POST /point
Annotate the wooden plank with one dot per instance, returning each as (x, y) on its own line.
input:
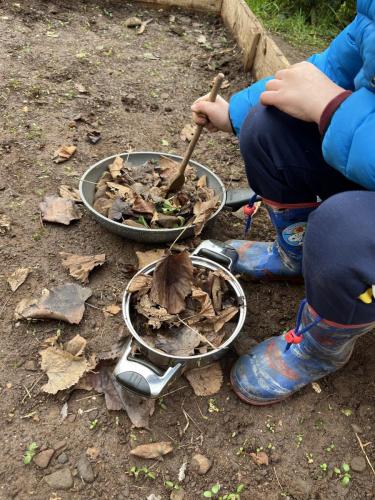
(202, 5)
(268, 58)
(244, 26)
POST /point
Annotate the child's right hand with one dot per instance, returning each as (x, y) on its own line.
(212, 115)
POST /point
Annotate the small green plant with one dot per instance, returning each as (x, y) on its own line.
(170, 485)
(271, 427)
(330, 448)
(323, 467)
(236, 495)
(319, 424)
(299, 439)
(343, 474)
(93, 424)
(141, 472)
(30, 453)
(212, 493)
(270, 446)
(347, 412)
(212, 408)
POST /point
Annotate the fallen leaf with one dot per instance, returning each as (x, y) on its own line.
(123, 191)
(259, 458)
(140, 283)
(116, 166)
(81, 88)
(155, 314)
(102, 205)
(111, 310)
(79, 266)
(187, 133)
(143, 207)
(19, 276)
(203, 211)
(70, 193)
(62, 368)
(152, 450)
(172, 282)
(133, 22)
(64, 302)
(145, 258)
(76, 345)
(138, 409)
(94, 136)
(59, 210)
(63, 153)
(178, 342)
(101, 381)
(206, 310)
(4, 224)
(202, 181)
(205, 381)
(93, 453)
(224, 316)
(152, 57)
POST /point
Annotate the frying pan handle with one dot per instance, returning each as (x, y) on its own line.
(217, 251)
(142, 377)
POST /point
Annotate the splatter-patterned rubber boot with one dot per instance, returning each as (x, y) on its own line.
(280, 366)
(281, 259)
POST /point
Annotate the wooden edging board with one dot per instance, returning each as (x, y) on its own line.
(261, 55)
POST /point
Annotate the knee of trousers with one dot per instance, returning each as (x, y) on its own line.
(339, 247)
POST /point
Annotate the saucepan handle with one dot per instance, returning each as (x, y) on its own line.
(218, 252)
(142, 377)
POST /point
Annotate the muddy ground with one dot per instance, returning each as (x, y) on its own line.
(139, 91)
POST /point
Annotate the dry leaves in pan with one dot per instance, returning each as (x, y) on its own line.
(152, 450)
(16, 279)
(64, 303)
(69, 193)
(79, 266)
(59, 210)
(137, 196)
(63, 153)
(183, 309)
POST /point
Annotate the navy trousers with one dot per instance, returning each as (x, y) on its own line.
(284, 163)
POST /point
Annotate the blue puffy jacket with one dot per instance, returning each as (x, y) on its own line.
(349, 142)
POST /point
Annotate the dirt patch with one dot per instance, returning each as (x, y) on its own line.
(139, 89)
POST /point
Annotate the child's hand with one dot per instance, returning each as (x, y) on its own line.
(302, 91)
(212, 115)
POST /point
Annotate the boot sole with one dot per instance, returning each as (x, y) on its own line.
(252, 401)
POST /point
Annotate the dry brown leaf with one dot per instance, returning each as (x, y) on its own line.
(217, 293)
(223, 317)
(202, 181)
(206, 310)
(65, 303)
(187, 133)
(79, 266)
(62, 368)
(101, 381)
(125, 192)
(19, 276)
(145, 258)
(205, 381)
(116, 166)
(203, 211)
(4, 224)
(133, 22)
(111, 310)
(140, 283)
(142, 28)
(101, 185)
(63, 153)
(260, 458)
(155, 315)
(143, 207)
(168, 166)
(102, 205)
(172, 282)
(138, 409)
(178, 342)
(152, 450)
(69, 193)
(59, 210)
(76, 345)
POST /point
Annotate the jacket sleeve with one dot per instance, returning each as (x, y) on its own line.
(348, 144)
(341, 61)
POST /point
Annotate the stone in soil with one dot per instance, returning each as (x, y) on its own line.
(177, 494)
(85, 470)
(200, 464)
(63, 458)
(31, 365)
(60, 480)
(358, 464)
(43, 458)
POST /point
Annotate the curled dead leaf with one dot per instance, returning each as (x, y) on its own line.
(59, 210)
(203, 211)
(152, 450)
(111, 310)
(63, 153)
(187, 133)
(69, 193)
(79, 266)
(17, 278)
(116, 166)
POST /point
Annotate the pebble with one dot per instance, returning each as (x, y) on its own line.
(63, 458)
(300, 488)
(60, 480)
(85, 469)
(43, 458)
(168, 109)
(358, 464)
(200, 464)
(356, 428)
(31, 365)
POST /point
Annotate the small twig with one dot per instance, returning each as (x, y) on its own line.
(187, 422)
(88, 397)
(277, 479)
(200, 411)
(5, 304)
(365, 454)
(32, 387)
(201, 336)
(27, 391)
(29, 415)
(94, 307)
(171, 392)
(179, 236)
(191, 418)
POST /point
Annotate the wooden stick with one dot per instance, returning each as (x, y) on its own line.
(365, 454)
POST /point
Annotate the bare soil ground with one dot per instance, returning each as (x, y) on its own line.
(47, 47)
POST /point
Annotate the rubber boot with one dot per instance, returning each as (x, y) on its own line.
(281, 259)
(280, 366)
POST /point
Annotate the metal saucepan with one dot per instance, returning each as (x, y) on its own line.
(149, 374)
(89, 179)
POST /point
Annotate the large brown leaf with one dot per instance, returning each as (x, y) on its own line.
(178, 342)
(63, 369)
(172, 282)
(141, 283)
(65, 303)
(205, 381)
(19, 276)
(143, 207)
(116, 166)
(206, 308)
(145, 258)
(203, 211)
(152, 450)
(138, 409)
(79, 266)
(156, 315)
(59, 210)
